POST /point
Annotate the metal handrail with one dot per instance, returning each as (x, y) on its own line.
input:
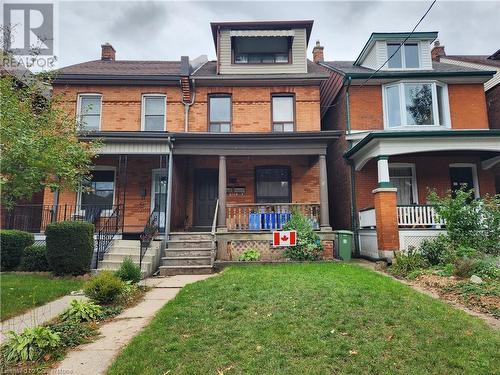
(149, 233)
(106, 234)
(214, 225)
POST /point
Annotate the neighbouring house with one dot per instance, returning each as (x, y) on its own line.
(212, 155)
(414, 124)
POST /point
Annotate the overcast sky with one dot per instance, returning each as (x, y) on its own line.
(165, 30)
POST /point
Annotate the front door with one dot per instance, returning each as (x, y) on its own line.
(159, 196)
(462, 177)
(205, 196)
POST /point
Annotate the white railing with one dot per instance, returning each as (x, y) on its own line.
(419, 216)
(267, 216)
(367, 218)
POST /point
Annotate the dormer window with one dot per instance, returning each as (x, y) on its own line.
(407, 57)
(261, 50)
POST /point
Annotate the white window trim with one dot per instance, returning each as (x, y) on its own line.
(154, 172)
(143, 110)
(413, 177)
(403, 57)
(402, 105)
(475, 179)
(81, 212)
(79, 108)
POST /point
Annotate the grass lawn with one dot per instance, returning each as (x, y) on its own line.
(325, 318)
(22, 291)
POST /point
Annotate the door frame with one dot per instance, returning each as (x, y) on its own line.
(475, 180)
(153, 173)
(195, 191)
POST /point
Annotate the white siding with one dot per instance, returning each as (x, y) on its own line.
(378, 56)
(298, 65)
(381, 53)
(371, 60)
(134, 148)
(489, 84)
(425, 55)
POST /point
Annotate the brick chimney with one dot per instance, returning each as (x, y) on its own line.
(437, 51)
(318, 53)
(107, 52)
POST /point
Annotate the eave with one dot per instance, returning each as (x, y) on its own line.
(113, 79)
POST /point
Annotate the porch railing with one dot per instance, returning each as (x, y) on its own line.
(267, 216)
(149, 233)
(214, 227)
(35, 217)
(106, 233)
(419, 216)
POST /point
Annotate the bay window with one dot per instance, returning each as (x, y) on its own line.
(416, 104)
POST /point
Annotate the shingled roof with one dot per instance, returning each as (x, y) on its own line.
(475, 59)
(124, 68)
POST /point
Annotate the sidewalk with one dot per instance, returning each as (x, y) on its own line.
(37, 316)
(95, 358)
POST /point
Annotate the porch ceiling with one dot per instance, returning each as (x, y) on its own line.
(400, 143)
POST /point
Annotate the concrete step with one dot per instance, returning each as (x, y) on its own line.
(186, 261)
(203, 236)
(188, 244)
(201, 251)
(185, 270)
(113, 265)
(148, 257)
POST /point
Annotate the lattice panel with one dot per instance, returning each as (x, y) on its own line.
(265, 248)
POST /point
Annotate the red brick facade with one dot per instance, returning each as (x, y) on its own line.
(386, 219)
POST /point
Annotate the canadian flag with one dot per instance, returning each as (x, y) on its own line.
(284, 238)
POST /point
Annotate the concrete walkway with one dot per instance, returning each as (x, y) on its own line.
(37, 316)
(96, 357)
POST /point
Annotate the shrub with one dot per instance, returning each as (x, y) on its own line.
(437, 250)
(129, 293)
(250, 255)
(73, 333)
(308, 243)
(35, 259)
(487, 267)
(70, 245)
(82, 311)
(129, 271)
(407, 263)
(30, 345)
(464, 267)
(13, 243)
(104, 288)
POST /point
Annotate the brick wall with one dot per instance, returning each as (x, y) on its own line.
(365, 105)
(387, 220)
(493, 104)
(468, 106)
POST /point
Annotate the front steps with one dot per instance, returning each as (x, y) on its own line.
(187, 254)
(122, 249)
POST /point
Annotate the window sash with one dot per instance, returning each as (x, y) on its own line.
(219, 119)
(283, 113)
(154, 110)
(272, 185)
(102, 187)
(402, 59)
(89, 111)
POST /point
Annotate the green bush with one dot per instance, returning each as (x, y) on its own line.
(250, 255)
(308, 242)
(129, 293)
(437, 250)
(82, 311)
(464, 267)
(104, 288)
(13, 243)
(487, 267)
(408, 263)
(70, 245)
(129, 271)
(74, 333)
(30, 345)
(35, 259)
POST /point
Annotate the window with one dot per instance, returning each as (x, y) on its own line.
(406, 57)
(283, 113)
(402, 176)
(89, 111)
(261, 50)
(99, 190)
(219, 113)
(153, 112)
(272, 185)
(416, 104)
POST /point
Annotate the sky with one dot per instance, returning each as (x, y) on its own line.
(165, 30)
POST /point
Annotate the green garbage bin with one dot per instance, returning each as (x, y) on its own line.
(343, 244)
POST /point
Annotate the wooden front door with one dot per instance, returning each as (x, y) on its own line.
(205, 196)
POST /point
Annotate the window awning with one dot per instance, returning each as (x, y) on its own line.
(260, 33)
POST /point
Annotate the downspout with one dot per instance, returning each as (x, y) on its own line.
(168, 212)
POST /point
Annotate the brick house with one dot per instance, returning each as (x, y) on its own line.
(413, 125)
(214, 153)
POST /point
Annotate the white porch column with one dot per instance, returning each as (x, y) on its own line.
(324, 219)
(383, 172)
(221, 218)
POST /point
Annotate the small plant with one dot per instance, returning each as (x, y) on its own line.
(129, 293)
(250, 255)
(464, 267)
(129, 271)
(308, 242)
(408, 263)
(487, 267)
(73, 333)
(30, 345)
(81, 311)
(104, 288)
(437, 250)
(35, 259)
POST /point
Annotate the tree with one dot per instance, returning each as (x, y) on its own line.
(39, 142)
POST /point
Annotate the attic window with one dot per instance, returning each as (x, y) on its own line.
(405, 58)
(261, 50)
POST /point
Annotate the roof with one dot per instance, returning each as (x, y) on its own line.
(476, 59)
(124, 67)
(439, 69)
(262, 25)
(420, 35)
(209, 71)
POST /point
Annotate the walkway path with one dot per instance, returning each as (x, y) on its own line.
(36, 316)
(96, 357)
